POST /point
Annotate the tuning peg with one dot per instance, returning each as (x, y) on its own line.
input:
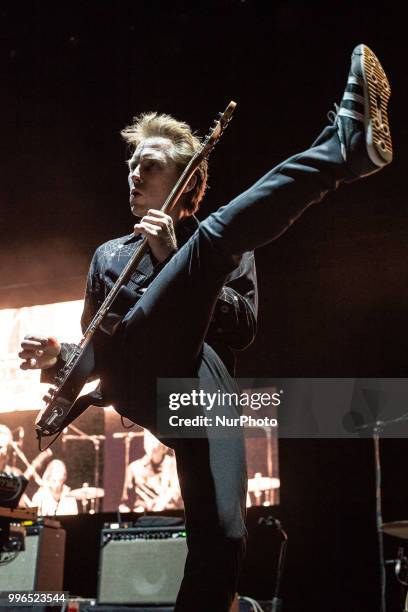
(49, 396)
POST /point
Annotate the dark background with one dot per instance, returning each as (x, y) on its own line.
(333, 290)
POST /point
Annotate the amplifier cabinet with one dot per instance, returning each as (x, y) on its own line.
(141, 565)
(40, 567)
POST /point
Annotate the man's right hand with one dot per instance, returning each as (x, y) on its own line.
(39, 352)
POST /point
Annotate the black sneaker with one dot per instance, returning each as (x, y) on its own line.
(361, 118)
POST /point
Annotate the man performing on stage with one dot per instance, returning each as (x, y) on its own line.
(151, 482)
(165, 333)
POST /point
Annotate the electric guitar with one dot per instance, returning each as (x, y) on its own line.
(62, 404)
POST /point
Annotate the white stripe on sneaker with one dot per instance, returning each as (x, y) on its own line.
(345, 112)
(355, 81)
(349, 95)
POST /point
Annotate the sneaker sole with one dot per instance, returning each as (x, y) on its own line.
(376, 93)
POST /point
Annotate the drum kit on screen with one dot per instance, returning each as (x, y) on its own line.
(261, 490)
(399, 529)
(87, 496)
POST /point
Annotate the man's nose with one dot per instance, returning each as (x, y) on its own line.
(135, 174)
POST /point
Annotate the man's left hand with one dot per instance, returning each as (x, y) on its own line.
(159, 231)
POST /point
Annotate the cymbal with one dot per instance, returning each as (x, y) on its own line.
(86, 493)
(399, 529)
(262, 483)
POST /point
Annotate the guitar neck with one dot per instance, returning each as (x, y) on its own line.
(63, 403)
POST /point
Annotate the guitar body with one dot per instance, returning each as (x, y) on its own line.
(61, 401)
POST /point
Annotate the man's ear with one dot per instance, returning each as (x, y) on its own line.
(191, 184)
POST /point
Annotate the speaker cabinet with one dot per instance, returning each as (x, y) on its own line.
(140, 566)
(40, 567)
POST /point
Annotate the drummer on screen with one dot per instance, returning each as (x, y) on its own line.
(54, 496)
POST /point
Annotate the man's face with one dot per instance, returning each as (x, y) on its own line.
(56, 482)
(152, 175)
(157, 454)
(154, 449)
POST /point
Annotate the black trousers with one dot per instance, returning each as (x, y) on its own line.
(163, 336)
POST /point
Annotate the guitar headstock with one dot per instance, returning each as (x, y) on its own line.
(216, 132)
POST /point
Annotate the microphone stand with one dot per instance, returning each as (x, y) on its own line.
(377, 428)
(270, 521)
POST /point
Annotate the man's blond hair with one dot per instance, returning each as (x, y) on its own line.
(185, 144)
